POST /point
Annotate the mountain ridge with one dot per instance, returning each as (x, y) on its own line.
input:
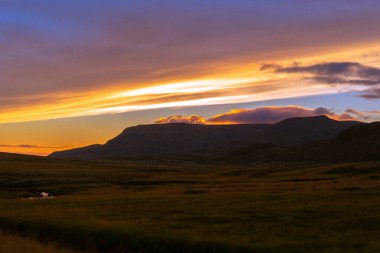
(358, 143)
(188, 141)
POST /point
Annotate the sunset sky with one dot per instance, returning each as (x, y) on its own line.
(74, 73)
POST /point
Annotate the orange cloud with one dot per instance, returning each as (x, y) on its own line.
(364, 116)
(193, 119)
(268, 115)
(261, 115)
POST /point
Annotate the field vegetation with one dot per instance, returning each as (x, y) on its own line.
(17, 244)
(192, 207)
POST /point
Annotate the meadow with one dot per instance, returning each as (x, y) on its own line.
(131, 206)
(16, 244)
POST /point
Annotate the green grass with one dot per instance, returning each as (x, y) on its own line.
(190, 207)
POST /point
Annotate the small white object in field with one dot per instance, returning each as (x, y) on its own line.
(44, 195)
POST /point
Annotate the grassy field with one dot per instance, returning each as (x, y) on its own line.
(16, 244)
(190, 207)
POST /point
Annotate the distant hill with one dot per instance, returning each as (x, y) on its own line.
(357, 143)
(187, 141)
(14, 156)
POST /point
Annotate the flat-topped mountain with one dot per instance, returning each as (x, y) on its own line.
(183, 141)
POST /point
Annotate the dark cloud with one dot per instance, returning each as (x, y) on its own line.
(346, 116)
(338, 73)
(323, 111)
(354, 111)
(270, 66)
(371, 93)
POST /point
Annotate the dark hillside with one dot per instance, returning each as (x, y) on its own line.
(185, 141)
(355, 144)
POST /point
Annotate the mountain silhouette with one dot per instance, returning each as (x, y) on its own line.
(357, 143)
(15, 156)
(188, 141)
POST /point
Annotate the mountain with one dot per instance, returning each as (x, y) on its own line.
(357, 143)
(14, 156)
(187, 141)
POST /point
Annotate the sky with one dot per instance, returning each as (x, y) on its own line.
(75, 73)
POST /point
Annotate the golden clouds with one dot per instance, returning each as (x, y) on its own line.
(243, 82)
(260, 115)
(114, 101)
(193, 119)
(194, 93)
